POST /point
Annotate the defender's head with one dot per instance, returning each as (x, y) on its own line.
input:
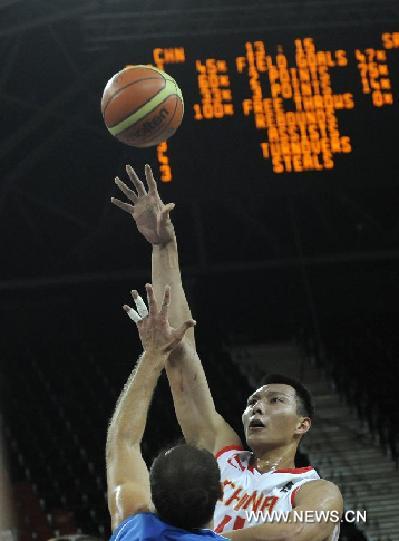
(279, 413)
(185, 486)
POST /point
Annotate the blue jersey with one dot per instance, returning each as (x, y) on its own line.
(148, 527)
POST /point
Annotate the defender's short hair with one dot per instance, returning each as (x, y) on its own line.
(185, 486)
(303, 396)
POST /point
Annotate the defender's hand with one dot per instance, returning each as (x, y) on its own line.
(155, 333)
(147, 209)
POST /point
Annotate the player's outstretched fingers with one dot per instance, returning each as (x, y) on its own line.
(181, 331)
(151, 183)
(123, 188)
(136, 181)
(140, 304)
(152, 303)
(165, 303)
(124, 206)
(132, 313)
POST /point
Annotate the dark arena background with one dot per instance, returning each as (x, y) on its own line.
(289, 247)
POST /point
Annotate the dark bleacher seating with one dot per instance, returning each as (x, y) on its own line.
(59, 398)
(362, 357)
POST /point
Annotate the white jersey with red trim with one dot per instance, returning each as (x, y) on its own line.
(247, 490)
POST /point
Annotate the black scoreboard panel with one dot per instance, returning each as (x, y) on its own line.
(270, 117)
(279, 109)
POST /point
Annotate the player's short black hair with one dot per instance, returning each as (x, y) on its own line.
(303, 397)
(185, 486)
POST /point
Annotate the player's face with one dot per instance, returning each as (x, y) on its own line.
(270, 417)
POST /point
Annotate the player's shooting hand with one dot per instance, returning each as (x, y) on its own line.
(148, 211)
(156, 335)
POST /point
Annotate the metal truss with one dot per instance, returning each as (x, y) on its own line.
(31, 15)
(213, 269)
(119, 22)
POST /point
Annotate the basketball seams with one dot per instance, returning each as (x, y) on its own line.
(162, 75)
(153, 135)
(119, 128)
(130, 84)
(177, 96)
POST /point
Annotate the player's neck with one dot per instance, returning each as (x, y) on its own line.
(274, 458)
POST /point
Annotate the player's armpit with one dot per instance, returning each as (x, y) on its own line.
(194, 406)
(127, 480)
(312, 501)
(213, 437)
(225, 436)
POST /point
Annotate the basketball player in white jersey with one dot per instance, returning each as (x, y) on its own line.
(275, 419)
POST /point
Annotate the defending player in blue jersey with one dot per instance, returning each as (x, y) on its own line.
(176, 499)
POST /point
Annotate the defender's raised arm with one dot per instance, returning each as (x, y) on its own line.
(127, 474)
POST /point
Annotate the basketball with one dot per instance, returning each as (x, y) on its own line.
(142, 106)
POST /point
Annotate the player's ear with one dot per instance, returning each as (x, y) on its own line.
(303, 425)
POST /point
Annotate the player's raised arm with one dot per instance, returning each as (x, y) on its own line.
(315, 517)
(127, 474)
(152, 219)
(195, 409)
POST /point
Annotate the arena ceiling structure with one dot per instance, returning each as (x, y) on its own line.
(58, 161)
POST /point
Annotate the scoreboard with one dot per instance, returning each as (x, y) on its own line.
(286, 101)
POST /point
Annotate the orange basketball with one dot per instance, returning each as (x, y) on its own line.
(142, 106)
